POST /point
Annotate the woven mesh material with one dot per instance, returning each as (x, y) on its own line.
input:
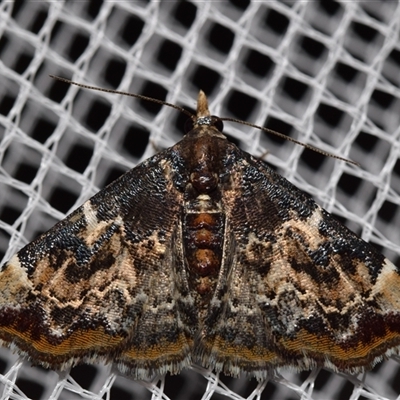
(326, 73)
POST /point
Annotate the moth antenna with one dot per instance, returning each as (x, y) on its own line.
(138, 96)
(281, 135)
(192, 116)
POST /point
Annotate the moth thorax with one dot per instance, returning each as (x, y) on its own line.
(203, 165)
(203, 246)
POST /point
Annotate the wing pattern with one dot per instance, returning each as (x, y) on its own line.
(303, 290)
(201, 254)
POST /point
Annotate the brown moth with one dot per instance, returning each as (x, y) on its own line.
(201, 254)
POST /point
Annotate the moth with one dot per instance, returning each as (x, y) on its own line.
(201, 254)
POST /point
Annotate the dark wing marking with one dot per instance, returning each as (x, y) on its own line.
(302, 290)
(99, 284)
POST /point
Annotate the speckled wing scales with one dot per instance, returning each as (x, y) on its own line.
(201, 254)
(235, 337)
(303, 290)
(99, 285)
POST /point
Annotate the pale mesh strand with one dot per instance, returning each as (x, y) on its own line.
(391, 38)
(231, 79)
(22, 99)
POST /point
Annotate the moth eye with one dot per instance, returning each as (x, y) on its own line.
(217, 123)
(188, 125)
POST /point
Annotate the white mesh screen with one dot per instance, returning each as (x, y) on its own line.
(324, 72)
